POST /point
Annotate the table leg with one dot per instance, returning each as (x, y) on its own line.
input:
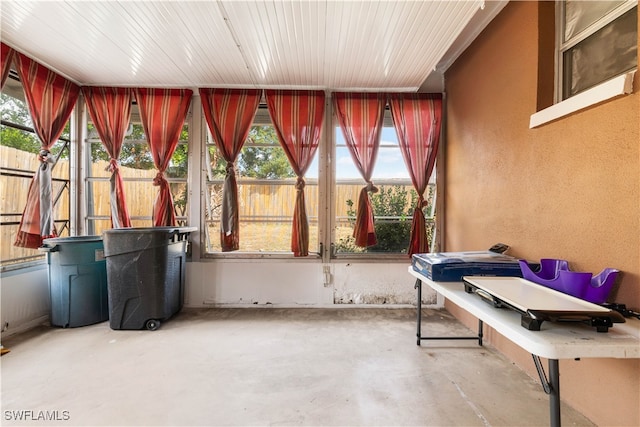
(551, 386)
(418, 286)
(554, 395)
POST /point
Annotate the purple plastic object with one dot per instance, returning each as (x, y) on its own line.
(600, 286)
(555, 274)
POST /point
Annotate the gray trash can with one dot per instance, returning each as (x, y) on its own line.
(145, 274)
(77, 280)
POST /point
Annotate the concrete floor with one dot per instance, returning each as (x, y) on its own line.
(269, 366)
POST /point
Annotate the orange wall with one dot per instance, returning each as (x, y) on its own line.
(569, 189)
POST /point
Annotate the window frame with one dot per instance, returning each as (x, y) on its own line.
(555, 109)
(378, 182)
(88, 179)
(562, 46)
(38, 258)
(326, 199)
(262, 117)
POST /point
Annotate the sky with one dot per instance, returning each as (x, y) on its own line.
(389, 163)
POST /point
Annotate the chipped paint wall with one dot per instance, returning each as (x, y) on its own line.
(295, 283)
(380, 283)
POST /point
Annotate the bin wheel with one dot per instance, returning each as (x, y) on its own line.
(152, 324)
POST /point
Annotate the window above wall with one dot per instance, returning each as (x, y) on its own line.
(19, 146)
(596, 55)
(266, 195)
(392, 204)
(137, 169)
(597, 41)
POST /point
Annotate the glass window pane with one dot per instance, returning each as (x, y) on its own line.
(393, 208)
(389, 163)
(15, 110)
(607, 53)
(98, 226)
(138, 172)
(18, 160)
(265, 210)
(135, 158)
(393, 204)
(12, 254)
(266, 193)
(179, 165)
(579, 14)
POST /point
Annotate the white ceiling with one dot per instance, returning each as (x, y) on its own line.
(307, 44)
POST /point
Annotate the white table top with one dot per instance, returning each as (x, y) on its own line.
(525, 295)
(561, 340)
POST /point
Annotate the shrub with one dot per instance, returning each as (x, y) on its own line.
(393, 209)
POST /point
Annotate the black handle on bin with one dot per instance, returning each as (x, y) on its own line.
(48, 248)
(173, 234)
(181, 232)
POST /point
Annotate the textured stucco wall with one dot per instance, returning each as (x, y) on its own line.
(569, 189)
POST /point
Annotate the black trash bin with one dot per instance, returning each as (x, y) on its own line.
(145, 274)
(77, 280)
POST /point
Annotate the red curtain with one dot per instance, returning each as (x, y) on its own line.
(297, 117)
(110, 110)
(360, 116)
(6, 59)
(417, 119)
(51, 99)
(229, 114)
(163, 112)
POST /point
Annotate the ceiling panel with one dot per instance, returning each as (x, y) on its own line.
(329, 44)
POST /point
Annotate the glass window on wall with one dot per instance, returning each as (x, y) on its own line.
(137, 171)
(266, 193)
(19, 146)
(598, 40)
(392, 205)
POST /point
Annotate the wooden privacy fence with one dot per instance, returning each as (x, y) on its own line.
(263, 200)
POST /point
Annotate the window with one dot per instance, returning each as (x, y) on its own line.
(138, 172)
(266, 196)
(19, 146)
(597, 40)
(392, 205)
(266, 193)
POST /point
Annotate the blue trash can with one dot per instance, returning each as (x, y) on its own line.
(77, 280)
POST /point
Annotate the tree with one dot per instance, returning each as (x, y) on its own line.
(261, 159)
(16, 112)
(21, 140)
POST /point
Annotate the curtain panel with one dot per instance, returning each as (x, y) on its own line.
(6, 58)
(229, 114)
(110, 110)
(51, 99)
(417, 119)
(361, 116)
(163, 112)
(297, 116)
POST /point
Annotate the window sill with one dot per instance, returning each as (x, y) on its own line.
(620, 85)
(241, 256)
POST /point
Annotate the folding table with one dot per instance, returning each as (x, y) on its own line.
(553, 341)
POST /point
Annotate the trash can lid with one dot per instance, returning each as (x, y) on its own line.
(50, 245)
